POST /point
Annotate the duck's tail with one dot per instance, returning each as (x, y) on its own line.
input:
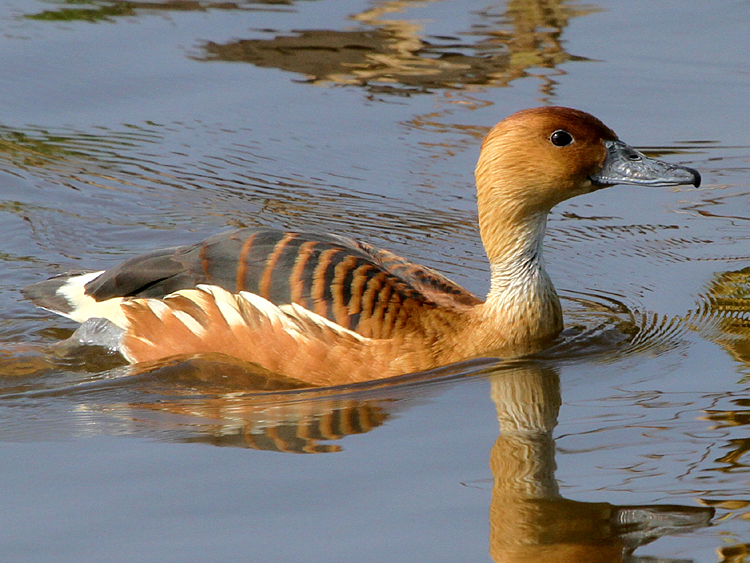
(66, 295)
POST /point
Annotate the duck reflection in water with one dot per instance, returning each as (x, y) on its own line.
(529, 519)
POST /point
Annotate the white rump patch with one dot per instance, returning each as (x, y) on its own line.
(85, 307)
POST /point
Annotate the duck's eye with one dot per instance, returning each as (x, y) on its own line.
(561, 138)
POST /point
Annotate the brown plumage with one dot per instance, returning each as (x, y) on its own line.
(326, 310)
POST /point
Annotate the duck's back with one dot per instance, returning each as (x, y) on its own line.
(372, 292)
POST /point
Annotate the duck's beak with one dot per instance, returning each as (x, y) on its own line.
(625, 165)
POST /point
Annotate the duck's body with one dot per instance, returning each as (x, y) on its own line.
(328, 310)
(357, 310)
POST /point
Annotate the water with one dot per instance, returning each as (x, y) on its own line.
(132, 126)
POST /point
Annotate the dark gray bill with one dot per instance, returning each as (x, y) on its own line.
(625, 165)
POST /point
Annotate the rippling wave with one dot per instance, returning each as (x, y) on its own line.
(230, 185)
(146, 180)
(606, 327)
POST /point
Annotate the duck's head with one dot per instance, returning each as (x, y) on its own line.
(538, 157)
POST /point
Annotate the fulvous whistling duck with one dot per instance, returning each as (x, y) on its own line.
(326, 310)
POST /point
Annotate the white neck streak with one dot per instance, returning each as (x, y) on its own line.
(522, 311)
(519, 272)
(522, 304)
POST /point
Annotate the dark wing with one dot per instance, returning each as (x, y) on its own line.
(427, 281)
(360, 288)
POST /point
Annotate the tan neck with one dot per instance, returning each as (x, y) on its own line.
(522, 310)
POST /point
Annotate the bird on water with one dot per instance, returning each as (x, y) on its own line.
(326, 309)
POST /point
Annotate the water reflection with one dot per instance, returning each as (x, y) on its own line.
(394, 55)
(385, 54)
(213, 396)
(207, 401)
(726, 309)
(723, 316)
(92, 11)
(118, 169)
(529, 519)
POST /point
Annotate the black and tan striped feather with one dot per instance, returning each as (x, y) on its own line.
(372, 292)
